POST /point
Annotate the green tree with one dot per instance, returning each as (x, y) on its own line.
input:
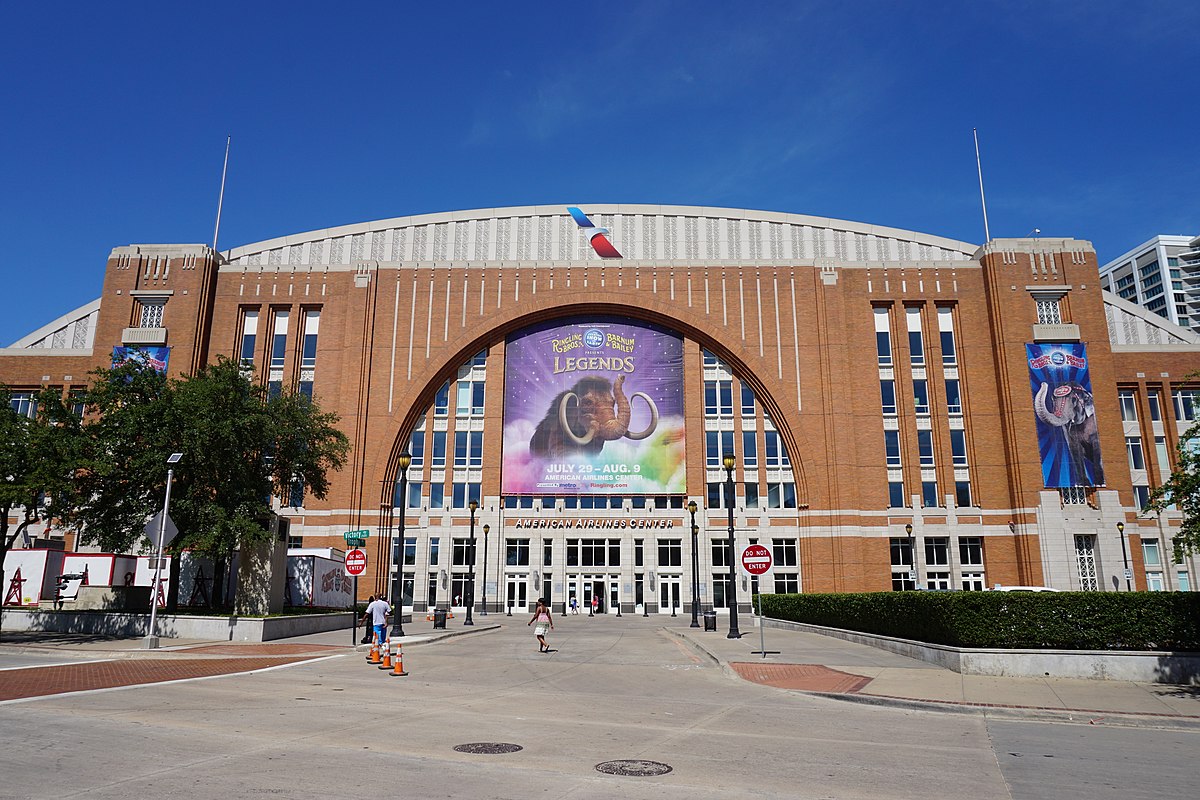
(1182, 489)
(37, 456)
(240, 449)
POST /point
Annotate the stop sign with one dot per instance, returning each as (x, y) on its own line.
(356, 562)
(756, 559)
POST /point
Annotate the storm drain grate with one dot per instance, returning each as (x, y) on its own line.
(487, 748)
(635, 767)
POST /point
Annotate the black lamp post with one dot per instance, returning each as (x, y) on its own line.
(691, 507)
(474, 506)
(1124, 556)
(483, 605)
(404, 461)
(734, 633)
(912, 555)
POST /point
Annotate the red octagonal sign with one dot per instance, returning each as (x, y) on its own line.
(756, 559)
(356, 562)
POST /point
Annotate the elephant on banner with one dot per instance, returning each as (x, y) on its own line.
(581, 419)
(1074, 414)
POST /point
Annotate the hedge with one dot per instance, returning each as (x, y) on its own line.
(1168, 621)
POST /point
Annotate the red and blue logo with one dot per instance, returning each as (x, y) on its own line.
(599, 241)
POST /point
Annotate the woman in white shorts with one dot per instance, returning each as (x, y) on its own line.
(542, 623)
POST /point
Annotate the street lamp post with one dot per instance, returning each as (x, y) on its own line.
(734, 633)
(397, 599)
(474, 506)
(483, 605)
(912, 555)
(691, 507)
(151, 642)
(1124, 556)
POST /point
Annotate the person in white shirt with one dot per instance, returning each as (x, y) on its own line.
(378, 611)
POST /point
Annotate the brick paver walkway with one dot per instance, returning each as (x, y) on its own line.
(42, 681)
(804, 677)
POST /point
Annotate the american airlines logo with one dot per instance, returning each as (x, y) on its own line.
(599, 241)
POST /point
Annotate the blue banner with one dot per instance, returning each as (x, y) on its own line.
(1068, 437)
(155, 357)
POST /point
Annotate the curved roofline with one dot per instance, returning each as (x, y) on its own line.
(50, 327)
(966, 248)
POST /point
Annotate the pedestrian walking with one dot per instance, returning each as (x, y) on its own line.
(378, 611)
(574, 605)
(595, 604)
(543, 622)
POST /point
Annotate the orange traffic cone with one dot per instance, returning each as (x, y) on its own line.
(399, 670)
(387, 658)
(374, 657)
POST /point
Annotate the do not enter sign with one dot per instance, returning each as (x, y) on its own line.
(756, 559)
(356, 562)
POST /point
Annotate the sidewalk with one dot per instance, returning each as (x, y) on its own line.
(810, 662)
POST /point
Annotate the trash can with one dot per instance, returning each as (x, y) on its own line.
(710, 620)
(439, 618)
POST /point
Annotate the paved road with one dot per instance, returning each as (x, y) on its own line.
(612, 689)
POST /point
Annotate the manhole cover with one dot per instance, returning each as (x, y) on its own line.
(635, 767)
(488, 748)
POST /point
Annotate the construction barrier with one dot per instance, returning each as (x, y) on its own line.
(399, 668)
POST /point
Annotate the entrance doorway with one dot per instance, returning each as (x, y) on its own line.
(605, 589)
(669, 593)
(517, 592)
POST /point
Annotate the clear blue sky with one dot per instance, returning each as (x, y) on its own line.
(116, 117)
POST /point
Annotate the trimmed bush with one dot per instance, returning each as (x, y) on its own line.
(1168, 621)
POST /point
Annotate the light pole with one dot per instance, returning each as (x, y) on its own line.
(474, 506)
(483, 606)
(151, 632)
(734, 633)
(1124, 556)
(912, 555)
(691, 507)
(397, 622)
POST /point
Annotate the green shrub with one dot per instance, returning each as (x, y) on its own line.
(1007, 620)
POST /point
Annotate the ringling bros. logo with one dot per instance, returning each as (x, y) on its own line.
(600, 242)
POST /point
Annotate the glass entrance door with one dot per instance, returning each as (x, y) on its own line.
(669, 593)
(517, 592)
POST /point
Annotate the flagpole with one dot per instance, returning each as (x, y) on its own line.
(987, 236)
(221, 196)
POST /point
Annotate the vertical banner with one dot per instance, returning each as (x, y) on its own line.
(593, 406)
(1068, 437)
(154, 357)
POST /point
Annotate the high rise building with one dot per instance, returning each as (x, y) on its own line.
(1161, 275)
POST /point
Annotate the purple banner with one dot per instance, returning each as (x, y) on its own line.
(1068, 439)
(594, 406)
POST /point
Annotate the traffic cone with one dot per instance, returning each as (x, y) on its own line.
(399, 669)
(387, 658)
(374, 657)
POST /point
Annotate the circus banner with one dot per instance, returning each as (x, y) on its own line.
(593, 406)
(1068, 437)
(154, 357)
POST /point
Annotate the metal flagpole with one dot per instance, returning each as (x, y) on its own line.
(987, 235)
(221, 196)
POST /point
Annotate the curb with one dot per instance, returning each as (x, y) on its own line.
(436, 637)
(1026, 713)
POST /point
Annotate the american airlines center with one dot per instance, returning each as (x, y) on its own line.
(882, 409)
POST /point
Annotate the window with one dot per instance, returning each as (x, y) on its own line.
(718, 398)
(639, 552)
(670, 552)
(462, 552)
(1160, 451)
(516, 552)
(414, 495)
(468, 449)
(1128, 405)
(972, 582)
(308, 348)
(953, 398)
(439, 450)
(937, 551)
(24, 403)
(249, 337)
(946, 333)
(1085, 559)
(916, 344)
(470, 398)
(416, 448)
(1048, 312)
(883, 337)
(958, 447)
(1152, 400)
(925, 448)
(720, 553)
(441, 401)
(1183, 581)
(1133, 446)
(970, 551)
(152, 312)
(896, 494)
(1153, 563)
(718, 444)
(781, 495)
(1187, 404)
(751, 490)
(279, 340)
(747, 401)
(887, 392)
(410, 552)
(902, 564)
(1073, 495)
(593, 552)
(547, 552)
(437, 495)
(962, 494)
(891, 446)
(921, 396)
(710, 360)
(749, 450)
(929, 494)
(434, 545)
(1141, 496)
(784, 552)
(463, 494)
(777, 457)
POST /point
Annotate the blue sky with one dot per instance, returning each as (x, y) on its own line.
(116, 118)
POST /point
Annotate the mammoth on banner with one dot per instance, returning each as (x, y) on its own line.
(593, 406)
(1068, 437)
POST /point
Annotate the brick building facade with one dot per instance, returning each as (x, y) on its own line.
(865, 380)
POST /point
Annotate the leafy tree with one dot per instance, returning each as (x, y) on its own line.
(240, 449)
(1182, 490)
(37, 455)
